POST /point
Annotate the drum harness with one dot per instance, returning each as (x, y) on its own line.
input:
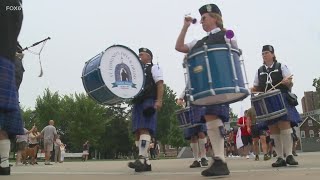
(269, 78)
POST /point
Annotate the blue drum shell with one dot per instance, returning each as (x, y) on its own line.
(94, 84)
(223, 81)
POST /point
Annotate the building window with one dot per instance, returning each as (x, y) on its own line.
(311, 133)
(310, 123)
(303, 134)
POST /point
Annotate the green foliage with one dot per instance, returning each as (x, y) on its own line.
(108, 128)
(166, 115)
(316, 84)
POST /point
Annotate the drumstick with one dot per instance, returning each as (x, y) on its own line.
(274, 87)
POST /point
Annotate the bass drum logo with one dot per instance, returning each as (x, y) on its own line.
(122, 71)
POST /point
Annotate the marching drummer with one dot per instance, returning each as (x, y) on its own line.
(274, 75)
(215, 115)
(196, 136)
(144, 111)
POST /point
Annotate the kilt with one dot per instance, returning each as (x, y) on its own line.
(292, 116)
(139, 121)
(10, 115)
(193, 131)
(8, 90)
(222, 111)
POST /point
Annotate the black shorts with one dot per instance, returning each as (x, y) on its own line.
(246, 140)
(256, 132)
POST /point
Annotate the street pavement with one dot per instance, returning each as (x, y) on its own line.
(241, 169)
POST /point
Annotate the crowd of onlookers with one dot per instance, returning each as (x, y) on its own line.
(252, 142)
(33, 142)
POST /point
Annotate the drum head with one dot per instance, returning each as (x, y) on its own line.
(122, 71)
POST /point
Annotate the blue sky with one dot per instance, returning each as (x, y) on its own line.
(81, 29)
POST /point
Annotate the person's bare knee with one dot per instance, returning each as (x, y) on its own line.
(194, 139)
(274, 129)
(201, 135)
(283, 125)
(210, 117)
(3, 135)
(144, 131)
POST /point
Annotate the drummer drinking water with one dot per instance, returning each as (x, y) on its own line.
(215, 115)
(145, 105)
(270, 74)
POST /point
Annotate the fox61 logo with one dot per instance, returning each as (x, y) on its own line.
(13, 8)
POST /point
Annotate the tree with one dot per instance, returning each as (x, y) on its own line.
(115, 139)
(47, 108)
(166, 116)
(176, 137)
(86, 120)
(316, 84)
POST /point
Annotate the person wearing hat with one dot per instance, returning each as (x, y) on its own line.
(144, 110)
(10, 117)
(196, 135)
(215, 115)
(268, 75)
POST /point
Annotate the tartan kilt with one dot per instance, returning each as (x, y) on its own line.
(10, 115)
(139, 121)
(292, 116)
(189, 132)
(9, 100)
(222, 111)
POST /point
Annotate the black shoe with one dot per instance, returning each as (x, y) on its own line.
(257, 158)
(266, 157)
(141, 167)
(195, 164)
(218, 168)
(204, 162)
(279, 163)
(5, 171)
(133, 164)
(291, 161)
(274, 154)
(294, 153)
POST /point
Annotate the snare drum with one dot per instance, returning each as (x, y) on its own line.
(190, 116)
(215, 75)
(113, 76)
(269, 105)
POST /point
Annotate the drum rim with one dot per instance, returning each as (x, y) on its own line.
(100, 55)
(273, 115)
(201, 50)
(84, 75)
(266, 94)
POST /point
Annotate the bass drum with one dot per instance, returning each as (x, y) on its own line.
(113, 76)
